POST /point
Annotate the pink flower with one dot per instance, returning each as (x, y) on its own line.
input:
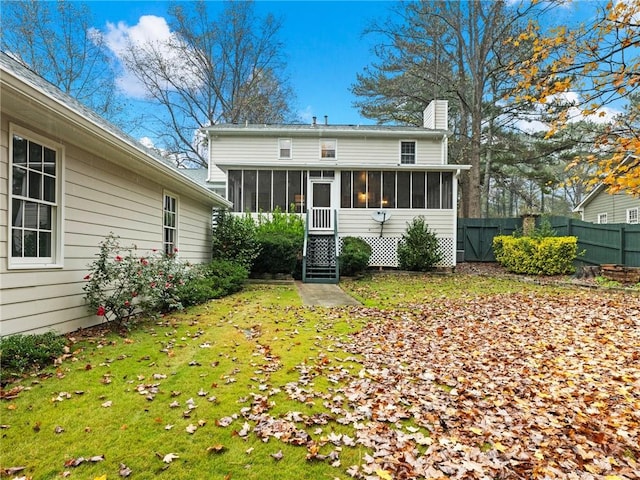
(167, 285)
(127, 303)
(87, 277)
(101, 311)
(134, 294)
(144, 261)
(118, 258)
(175, 250)
(153, 285)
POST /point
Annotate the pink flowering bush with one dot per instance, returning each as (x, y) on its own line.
(122, 282)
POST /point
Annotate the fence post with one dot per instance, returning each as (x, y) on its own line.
(622, 245)
(569, 226)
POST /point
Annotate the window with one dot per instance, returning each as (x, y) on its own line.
(602, 218)
(327, 148)
(632, 215)
(259, 190)
(170, 224)
(284, 147)
(34, 201)
(407, 152)
(389, 189)
(325, 174)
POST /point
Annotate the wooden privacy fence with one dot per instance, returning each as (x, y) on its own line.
(617, 243)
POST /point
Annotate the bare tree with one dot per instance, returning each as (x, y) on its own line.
(57, 41)
(212, 70)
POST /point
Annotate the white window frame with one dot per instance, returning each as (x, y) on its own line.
(602, 218)
(170, 248)
(56, 260)
(280, 148)
(633, 215)
(415, 151)
(324, 143)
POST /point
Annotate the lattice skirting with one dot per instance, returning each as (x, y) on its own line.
(384, 251)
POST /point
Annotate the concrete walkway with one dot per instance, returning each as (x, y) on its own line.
(324, 295)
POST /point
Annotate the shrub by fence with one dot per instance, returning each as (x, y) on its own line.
(617, 243)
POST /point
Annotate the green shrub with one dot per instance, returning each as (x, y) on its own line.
(214, 280)
(536, 256)
(290, 224)
(280, 237)
(419, 249)
(234, 239)
(279, 253)
(354, 256)
(21, 353)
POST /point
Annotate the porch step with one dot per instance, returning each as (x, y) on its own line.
(321, 262)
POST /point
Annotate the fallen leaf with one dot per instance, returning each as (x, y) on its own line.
(124, 470)
(217, 448)
(278, 455)
(383, 474)
(169, 457)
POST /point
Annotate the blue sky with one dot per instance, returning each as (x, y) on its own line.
(324, 46)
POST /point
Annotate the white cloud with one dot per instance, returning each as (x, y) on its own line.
(306, 114)
(150, 33)
(147, 142)
(602, 115)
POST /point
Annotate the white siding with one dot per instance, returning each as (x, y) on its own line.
(368, 152)
(99, 198)
(358, 222)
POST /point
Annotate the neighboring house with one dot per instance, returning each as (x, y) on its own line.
(68, 179)
(348, 180)
(599, 206)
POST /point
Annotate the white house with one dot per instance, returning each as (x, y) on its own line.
(68, 178)
(348, 180)
(600, 206)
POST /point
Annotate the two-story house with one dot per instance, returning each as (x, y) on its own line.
(348, 180)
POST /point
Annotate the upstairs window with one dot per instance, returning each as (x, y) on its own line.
(327, 148)
(407, 152)
(632, 215)
(284, 148)
(170, 224)
(34, 202)
(602, 218)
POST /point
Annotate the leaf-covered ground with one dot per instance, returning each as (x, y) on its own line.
(508, 386)
(435, 377)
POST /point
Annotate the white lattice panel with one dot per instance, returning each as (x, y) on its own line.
(448, 250)
(384, 251)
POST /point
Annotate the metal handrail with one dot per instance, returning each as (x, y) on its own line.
(304, 247)
(335, 239)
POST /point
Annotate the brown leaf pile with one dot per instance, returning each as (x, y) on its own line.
(513, 386)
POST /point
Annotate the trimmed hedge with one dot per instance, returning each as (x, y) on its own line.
(536, 256)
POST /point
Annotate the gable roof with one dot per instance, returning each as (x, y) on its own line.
(600, 187)
(25, 85)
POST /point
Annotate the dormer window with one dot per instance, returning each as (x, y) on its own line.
(407, 152)
(284, 148)
(327, 148)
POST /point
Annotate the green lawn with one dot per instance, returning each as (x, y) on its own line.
(434, 376)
